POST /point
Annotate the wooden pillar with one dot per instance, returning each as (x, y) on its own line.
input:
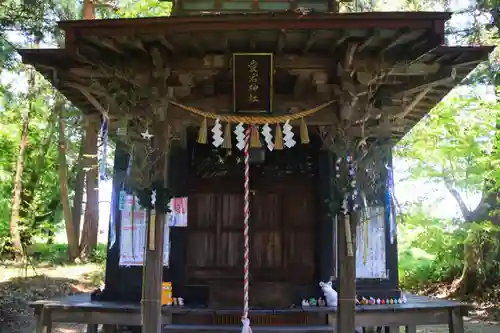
(327, 223)
(153, 262)
(346, 278)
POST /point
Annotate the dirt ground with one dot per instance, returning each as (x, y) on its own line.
(18, 286)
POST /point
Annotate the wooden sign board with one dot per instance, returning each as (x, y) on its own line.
(253, 82)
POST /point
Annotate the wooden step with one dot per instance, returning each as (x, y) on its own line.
(237, 328)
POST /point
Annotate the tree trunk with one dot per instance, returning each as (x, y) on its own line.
(88, 10)
(471, 278)
(63, 181)
(31, 187)
(78, 188)
(91, 218)
(15, 233)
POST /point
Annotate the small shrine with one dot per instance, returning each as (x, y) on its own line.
(253, 170)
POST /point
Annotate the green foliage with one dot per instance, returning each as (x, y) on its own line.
(431, 250)
(454, 144)
(57, 254)
(135, 9)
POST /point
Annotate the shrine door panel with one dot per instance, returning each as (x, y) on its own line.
(266, 237)
(283, 231)
(201, 249)
(300, 232)
(214, 237)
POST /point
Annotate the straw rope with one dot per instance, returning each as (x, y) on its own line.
(252, 120)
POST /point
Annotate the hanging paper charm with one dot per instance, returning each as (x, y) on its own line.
(337, 167)
(239, 131)
(268, 137)
(217, 133)
(153, 198)
(104, 138)
(122, 127)
(288, 135)
(146, 135)
(389, 204)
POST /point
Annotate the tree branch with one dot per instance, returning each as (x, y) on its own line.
(466, 213)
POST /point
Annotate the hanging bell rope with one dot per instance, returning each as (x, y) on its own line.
(246, 234)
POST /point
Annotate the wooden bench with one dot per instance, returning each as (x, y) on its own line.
(418, 311)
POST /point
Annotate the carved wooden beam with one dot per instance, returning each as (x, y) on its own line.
(85, 92)
(196, 44)
(106, 43)
(130, 42)
(339, 42)
(349, 56)
(281, 41)
(373, 37)
(313, 36)
(359, 63)
(166, 44)
(413, 103)
(422, 84)
(301, 84)
(403, 39)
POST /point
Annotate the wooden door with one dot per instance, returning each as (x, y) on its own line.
(282, 232)
(214, 236)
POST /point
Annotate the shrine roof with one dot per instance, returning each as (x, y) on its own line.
(195, 49)
(270, 20)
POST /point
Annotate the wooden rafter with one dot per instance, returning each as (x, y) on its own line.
(413, 103)
(403, 38)
(373, 37)
(164, 41)
(313, 36)
(85, 92)
(106, 43)
(281, 41)
(433, 82)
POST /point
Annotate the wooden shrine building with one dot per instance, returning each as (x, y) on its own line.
(363, 78)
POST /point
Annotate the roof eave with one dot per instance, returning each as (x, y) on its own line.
(404, 17)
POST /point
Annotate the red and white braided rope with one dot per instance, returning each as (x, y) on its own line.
(246, 258)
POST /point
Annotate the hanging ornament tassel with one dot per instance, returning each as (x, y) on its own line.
(104, 138)
(217, 134)
(390, 207)
(227, 137)
(202, 134)
(122, 127)
(366, 225)
(255, 137)
(278, 138)
(304, 132)
(348, 235)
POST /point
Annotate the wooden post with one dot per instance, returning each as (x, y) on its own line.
(346, 312)
(152, 274)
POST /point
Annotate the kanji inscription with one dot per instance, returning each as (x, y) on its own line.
(252, 82)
